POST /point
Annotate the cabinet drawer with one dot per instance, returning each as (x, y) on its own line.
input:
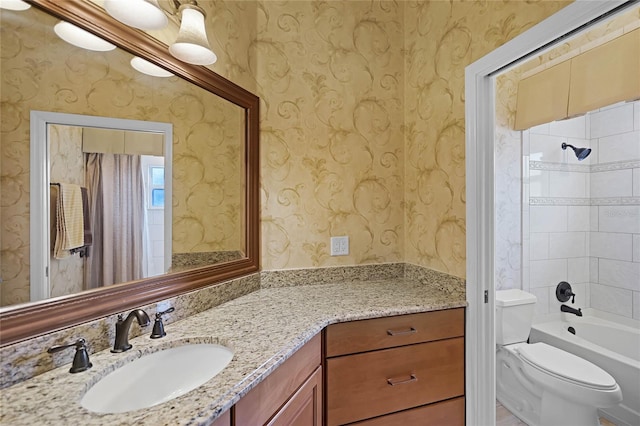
(366, 335)
(375, 383)
(450, 413)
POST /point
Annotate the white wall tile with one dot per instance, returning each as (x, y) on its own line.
(612, 121)
(619, 219)
(542, 304)
(578, 218)
(547, 218)
(571, 128)
(542, 129)
(567, 245)
(636, 182)
(636, 248)
(610, 299)
(545, 273)
(548, 148)
(578, 270)
(568, 184)
(593, 269)
(636, 115)
(619, 274)
(617, 183)
(538, 183)
(594, 212)
(636, 305)
(606, 245)
(539, 244)
(622, 147)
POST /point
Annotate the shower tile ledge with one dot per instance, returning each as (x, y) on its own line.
(263, 328)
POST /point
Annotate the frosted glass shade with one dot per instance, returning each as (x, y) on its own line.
(81, 38)
(14, 5)
(192, 45)
(143, 14)
(146, 67)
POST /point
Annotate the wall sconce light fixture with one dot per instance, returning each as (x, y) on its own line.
(191, 45)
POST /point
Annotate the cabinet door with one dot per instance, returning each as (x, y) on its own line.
(376, 383)
(305, 406)
(260, 404)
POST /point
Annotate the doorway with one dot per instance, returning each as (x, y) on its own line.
(480, 180)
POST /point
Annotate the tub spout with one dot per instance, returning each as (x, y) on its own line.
(569, 309)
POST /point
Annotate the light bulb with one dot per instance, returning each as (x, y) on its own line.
(143, 14)
(148, 68)
(81, 38)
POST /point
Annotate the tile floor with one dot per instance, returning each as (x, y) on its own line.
(505, 418)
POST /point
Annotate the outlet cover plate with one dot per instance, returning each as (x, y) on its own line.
(339, 246)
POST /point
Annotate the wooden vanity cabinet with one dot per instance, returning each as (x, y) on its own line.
(291, 395)
(403, 369)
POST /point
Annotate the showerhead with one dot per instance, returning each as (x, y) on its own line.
(581, 153)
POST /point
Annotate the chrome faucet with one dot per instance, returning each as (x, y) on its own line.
(124, 325)
(570, 310)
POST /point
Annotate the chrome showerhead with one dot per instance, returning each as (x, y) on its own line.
(581, 153)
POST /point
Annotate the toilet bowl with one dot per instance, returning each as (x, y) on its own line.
(541, 384)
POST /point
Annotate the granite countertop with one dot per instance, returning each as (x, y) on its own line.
(263, 328)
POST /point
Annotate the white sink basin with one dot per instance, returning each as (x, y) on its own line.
(156, 378)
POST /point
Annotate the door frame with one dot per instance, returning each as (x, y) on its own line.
(480, 387)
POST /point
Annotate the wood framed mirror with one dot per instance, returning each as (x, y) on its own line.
(27, 320)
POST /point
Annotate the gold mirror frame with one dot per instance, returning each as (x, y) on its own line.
(29, 320)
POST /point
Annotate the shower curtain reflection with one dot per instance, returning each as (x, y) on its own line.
(116, 203)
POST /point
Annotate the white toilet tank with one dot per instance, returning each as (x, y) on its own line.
(514, 315)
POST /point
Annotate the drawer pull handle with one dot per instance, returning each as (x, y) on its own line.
(411, 330)
(394, 382)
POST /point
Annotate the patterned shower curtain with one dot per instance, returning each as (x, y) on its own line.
(116, 204)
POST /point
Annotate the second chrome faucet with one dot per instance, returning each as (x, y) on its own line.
(123, 326)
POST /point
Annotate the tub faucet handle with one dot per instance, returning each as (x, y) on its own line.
(563, 292)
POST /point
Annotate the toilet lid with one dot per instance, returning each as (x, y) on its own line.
(566, 366)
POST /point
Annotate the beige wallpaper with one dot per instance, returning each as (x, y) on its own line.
(441, 39)
(330, 79)
(363, 125)
(41, 72)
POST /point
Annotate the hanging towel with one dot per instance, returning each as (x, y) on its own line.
(70, 223)
(88, 235)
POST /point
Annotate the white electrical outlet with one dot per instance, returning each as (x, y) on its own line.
(339, 246)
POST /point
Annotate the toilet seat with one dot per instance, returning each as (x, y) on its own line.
(566, 366)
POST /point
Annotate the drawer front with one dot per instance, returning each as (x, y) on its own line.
(450, 413)
(366, 335)
(372, 384)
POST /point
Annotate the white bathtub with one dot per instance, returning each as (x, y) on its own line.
(612, 346)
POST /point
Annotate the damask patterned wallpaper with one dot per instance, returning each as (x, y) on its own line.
(363, 125)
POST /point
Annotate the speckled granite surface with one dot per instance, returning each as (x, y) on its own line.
(27, 359)
(263, 328)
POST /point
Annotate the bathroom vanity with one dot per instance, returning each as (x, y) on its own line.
(293, 349)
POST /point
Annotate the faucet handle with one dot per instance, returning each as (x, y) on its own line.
(158, 326)
(563, 292)
(80, 359)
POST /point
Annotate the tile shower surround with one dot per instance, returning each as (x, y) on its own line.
(584, 217)
(23, 360)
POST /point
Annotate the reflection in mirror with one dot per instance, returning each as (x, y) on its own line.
(41, 72)
(118, 168)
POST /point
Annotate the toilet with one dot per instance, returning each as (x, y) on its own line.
(540, 384)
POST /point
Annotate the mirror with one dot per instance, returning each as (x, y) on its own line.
(210, 104)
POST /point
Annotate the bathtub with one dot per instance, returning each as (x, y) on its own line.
(612, 346)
